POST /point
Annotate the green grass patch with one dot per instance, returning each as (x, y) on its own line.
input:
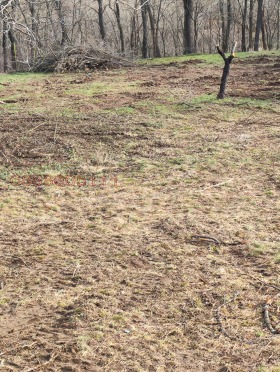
(20, 77)
(91, 89)
(209, 59)
(235, 102)
(126, 110)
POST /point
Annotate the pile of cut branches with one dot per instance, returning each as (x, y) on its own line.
(79, 59)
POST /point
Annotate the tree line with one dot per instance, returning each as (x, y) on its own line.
(134, 28)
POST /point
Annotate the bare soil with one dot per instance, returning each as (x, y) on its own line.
(140, 220)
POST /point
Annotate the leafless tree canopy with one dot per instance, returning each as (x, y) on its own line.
(31, 29)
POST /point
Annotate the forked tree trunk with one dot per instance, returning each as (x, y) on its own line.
(156, 50)
(226, 69)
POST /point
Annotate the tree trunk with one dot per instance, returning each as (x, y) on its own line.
(278, 28)
(226, 69)
(223, 22)
(264, 34)
(118, 17)
(244, 19)
(64, 36)
(226, 23)
(101, 19)
(145, 29)
(258, 25)
(156, 50)
(188, 26)
(35, 40)
(229, 21)
(13, 49)
(210, 32)
(195, 28)
(4, 47)
(251, 13)
(133, 33)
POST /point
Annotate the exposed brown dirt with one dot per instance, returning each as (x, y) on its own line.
(165, 258)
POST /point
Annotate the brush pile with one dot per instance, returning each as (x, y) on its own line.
(79, 59)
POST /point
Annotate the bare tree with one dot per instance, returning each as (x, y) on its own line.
(145, 28)
(116, 9)
(244, 9)
(134, 27)
(226, 69)
(258, 25)
(101, 19)
(226, 17)
(188, 26)
(4, 46)
(278, 25)
(251, 24)
(264, 33)
(154, 30)
(61, 16)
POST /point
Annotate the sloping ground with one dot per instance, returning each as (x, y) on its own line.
(140, 220)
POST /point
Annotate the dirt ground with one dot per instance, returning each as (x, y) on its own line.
(140, 219)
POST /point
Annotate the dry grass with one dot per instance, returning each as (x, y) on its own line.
(109, 276)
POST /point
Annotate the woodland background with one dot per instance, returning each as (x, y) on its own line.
(134, 28)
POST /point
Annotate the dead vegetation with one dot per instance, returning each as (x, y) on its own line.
(77, 59)
(169, 259)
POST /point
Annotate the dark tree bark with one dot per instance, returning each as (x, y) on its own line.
(8, 33)
(258, 25)
(223, 21)
(133, 32)
(118, 16)
(226, 23)
(196, 27)
(13, 49)
(188, 27)
(278, 28)
(264, 33)
(226, 69)
(210, 32)
(251, 24)
(156, 50)
(101, 19)
(229, 22)
(4, 47)
(244, 20)
(145, 29)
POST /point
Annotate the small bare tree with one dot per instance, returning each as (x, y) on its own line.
(227, 61)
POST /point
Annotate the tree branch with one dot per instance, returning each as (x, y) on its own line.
(222, 54)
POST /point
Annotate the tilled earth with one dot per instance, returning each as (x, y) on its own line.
(140, 219)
